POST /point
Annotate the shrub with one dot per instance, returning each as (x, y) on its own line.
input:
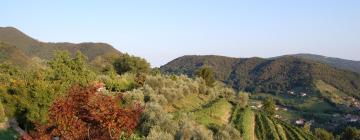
(157, 134)
(350, 133)
(242, 99)
(269, 106)
(225, 132)
(191, 130)
(127, 63)
(154, 115)
(322, 134)
(207, 74)
(85, 113)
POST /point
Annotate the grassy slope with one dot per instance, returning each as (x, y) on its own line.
(244, 120)
(217, 112)
(331, 93)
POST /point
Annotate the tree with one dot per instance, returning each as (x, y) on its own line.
(269, 106)
(242, 99)
(85, 113)
(126, 63)
(307, 127)
(207, 74)
(67, 71)
(322, 134)
(350, 133)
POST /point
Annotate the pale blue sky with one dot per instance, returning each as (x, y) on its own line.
(163, 30)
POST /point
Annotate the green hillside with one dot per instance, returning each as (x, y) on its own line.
(34, 48)
(278, 75)
(12, 55)
(335, 62)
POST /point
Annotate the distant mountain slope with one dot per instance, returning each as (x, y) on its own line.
(276, 75)
(335, 62)
(12, 55)
(32, 47)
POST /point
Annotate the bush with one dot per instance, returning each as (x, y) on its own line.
(207, 74)
(118, 83)
(269, 106)
(242, 99)
(191, 130)
(157, 134)
(350, 133)
(225, 132)
(322, 134)
(126, 63)
(154, 115)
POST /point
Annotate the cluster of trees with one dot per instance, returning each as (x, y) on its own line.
(38, 98)
(349, 133)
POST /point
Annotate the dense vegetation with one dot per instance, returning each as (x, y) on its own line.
(34, 48)
(98, 93)
(276, 75)
(335, 62)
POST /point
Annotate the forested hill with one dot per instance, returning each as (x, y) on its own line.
(34, 48)
(275, 75)
(335, 62)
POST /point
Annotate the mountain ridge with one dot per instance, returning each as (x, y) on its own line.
(45, 50)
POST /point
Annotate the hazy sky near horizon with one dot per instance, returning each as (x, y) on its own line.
(161, 30)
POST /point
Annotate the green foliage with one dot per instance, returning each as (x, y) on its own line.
(217, 112)
(157, 134)
(350, 133)
(244, 121)
(207, 74)
(8, 134)
(191, 130)
(119, 83)
(127, 63)
(269, 106)
(2, 113)
(307, 127)
(322, 134)
(225, 132)
(69, 71)
(278, 75)
(242, 99)
(34, 48)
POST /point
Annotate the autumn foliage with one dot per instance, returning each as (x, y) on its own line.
(87, 114)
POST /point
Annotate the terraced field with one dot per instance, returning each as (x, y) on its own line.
(244, 121)
(256, 125)
(217, 112)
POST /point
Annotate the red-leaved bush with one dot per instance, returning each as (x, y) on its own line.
(87, 114)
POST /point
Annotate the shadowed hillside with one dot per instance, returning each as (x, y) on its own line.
(335, 62)
(35, 48)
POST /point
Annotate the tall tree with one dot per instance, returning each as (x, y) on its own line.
(207, 74)
(127, 63)
(269, 106)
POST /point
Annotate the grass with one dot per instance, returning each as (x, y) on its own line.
(331, 93)
(216, 112)
(8, 134)
(244, 120)
(187, 104)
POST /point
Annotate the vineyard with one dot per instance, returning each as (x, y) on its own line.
(265, 128)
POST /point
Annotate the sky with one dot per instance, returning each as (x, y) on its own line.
(162, 30)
